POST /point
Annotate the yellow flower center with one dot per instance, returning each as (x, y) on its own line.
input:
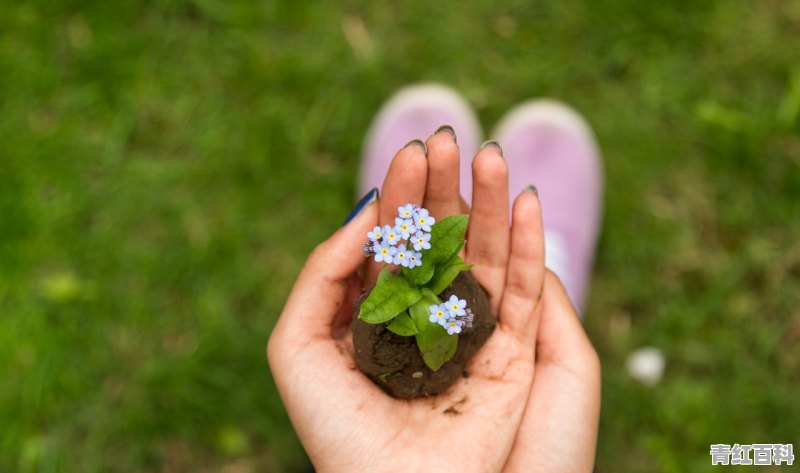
(422, 220)
(455, 307)
(384, 251)
(439, 314)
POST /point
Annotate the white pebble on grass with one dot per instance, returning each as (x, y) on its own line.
(646, 365)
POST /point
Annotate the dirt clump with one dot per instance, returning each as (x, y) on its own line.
(394, 362)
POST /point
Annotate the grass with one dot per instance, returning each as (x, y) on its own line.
(166, 166)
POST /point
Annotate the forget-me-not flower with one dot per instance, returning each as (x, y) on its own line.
(406, 211)
(384, 252)
(456, 306)
(423, 220)
(391, 235)
(401, 257)
(404, 227)
(375, 235)
(421, 240)
(439, 314)
(454, 326)
(414, 259)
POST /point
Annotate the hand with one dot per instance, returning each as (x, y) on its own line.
(558, 432)
(345, 422)
(559, 428)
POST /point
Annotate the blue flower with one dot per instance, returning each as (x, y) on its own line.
(421, 240)
(456, 306)
(375, 235)
(391, 235)
(414, 259)
(404, 227)
(454, 326)
(406, 211)
(402, 255)
(423, 220)
(439, 314)
(384, 252)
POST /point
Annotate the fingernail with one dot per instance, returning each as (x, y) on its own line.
(531, 188)
(419, 143)
(493, 143)
(362, 204)
(448, 129)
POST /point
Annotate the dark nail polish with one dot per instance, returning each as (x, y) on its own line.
(531, 188)
(419, 143)
(362, 204)
(448, 129)
(493, 143)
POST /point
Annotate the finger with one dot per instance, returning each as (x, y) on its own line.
(323, 283)
(488, 234)
(564, 406)
(442, 196)
(525, 273)
(404, 184)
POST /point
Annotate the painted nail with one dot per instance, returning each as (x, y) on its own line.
(362, 204)
(419, 143)
(448, 129)
(531, 188)
(493, 143)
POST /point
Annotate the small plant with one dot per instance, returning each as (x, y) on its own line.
(407, 299)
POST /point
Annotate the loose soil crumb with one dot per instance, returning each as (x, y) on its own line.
(394, 362)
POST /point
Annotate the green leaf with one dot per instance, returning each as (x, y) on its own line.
(446, 273)
(420, 274)
(447, 239)
(430, 296)
(391, 296)
(435, 345)
(403, 325)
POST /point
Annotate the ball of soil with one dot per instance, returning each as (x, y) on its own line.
(394, 362)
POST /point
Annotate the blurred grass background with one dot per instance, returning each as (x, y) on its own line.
(166, 165)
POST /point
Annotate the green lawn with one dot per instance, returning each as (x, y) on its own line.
(166, 165)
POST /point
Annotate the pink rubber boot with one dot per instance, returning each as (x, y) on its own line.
(415, 112)
(549, 145)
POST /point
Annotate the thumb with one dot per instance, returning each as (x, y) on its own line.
(322, 285)
(561, 337)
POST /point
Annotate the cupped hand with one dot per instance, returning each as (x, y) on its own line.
(345, 422)
(558, 432)
(559, 428)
